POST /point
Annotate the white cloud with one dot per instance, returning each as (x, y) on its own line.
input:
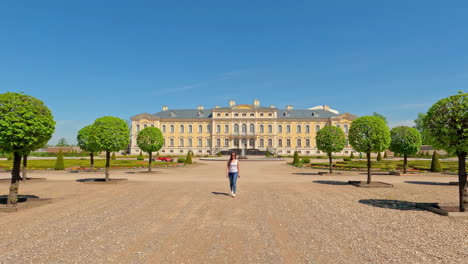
(396, 123)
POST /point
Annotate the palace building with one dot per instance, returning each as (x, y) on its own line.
(249, 126)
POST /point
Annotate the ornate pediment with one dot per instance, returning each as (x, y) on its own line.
(145, 116)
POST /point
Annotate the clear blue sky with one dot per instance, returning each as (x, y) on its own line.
(87, 59)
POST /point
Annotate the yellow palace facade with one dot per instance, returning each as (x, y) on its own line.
(249, 126)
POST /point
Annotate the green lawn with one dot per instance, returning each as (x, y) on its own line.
(84, 163)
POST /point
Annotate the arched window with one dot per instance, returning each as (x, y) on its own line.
(244, 114)
(288, 129)
(280, 142)
(270, 114)
(200, 142)
(236, 114)
(145, 126)
(317, 128)
(236, 142)
(261, 142)
(252, 114)
(252, 128)
(218, 129)
(288, 142)
(307, 142)
(280, 129)
(152, 125)
(208, 142)
(164, 128)
(200, 129)
(244, 128)
(218, 142)
(171, 142)
(172, 129)
(346, 128)
(299, 129)
(190, 128)
(182, 129)
(261, 114)
(189, 142)
(307, 129)
(299, 143)
(270, 142)
(226, 142)
(181, 142)
(252, 142)
(226, 128)
(261, 129)
(270, 129)
(236, 128)
(208, 128)
(138, 128)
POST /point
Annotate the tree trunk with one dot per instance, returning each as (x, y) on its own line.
(107, 165)
(462, 184)
(150, 160)
(25, 164)
(405, 163)
(331, 162)
(15, 180)
(91, 160)
(368, 167)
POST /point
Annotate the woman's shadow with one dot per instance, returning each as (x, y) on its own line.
(220, 193)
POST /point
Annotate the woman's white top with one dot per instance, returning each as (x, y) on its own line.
(233, 166)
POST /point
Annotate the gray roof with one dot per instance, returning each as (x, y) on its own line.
(185, 113)
(304, 113)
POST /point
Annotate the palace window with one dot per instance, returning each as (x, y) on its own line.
(182, 129)
(208, 142)
(299, 129)
(288, 129)
(244, 114)
(252, 128)
(164, 142)
(288, 142)
(307, 129)
(244, 128)
(270, 142)
(252, 142)
(299, 143)
(236, 128)
(218, 128)
(152, 125)
(226, 142)
(261, 129)
(226, 128)
(346, 128)
(261, 142)
(190, 128)
(200, 129)
(226, 114)
(252, 114)
(218, 114)
(317, 128)
(307, 142)
(218, 142)
(164, 128)
(138, 128)
(200, 142)
(280, 142)
(280, 129)
(236, 142)
(171, 129)
(338, 125)
(171, 142)
(261, 114)
(189, 142)
(236, 114)
(270, 129)
(270, 114)
(145, 126)
(181, 142)
(208, 128)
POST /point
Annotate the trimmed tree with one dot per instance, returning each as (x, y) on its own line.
(296, 158)
(188, 159)
(86, 144)
(385, 155)
(113, 157)
(379, 157)
(150, 139)
(446, 124)
(140, 156)
(59, 162)
(351, 156)
(110, 134)
(435, 163)
(369, 134)
(405, 140)
(330, 139)
(26, 124)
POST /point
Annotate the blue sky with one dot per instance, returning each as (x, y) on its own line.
(87, 59)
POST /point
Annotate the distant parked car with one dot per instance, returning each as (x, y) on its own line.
(167, 159)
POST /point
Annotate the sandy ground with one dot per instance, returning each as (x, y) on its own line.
(282, 214)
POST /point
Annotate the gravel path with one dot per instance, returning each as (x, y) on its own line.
(282, 214)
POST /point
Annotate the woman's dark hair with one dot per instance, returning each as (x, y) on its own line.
(232, 157)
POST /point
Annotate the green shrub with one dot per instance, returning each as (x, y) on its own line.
(113, 156)
(59, 162)
(435, 163)
(305, 160)
(346, 159)
(385, 155)
(217, 154)
(296, 158)
(351, 156)
(181, 160)
(188, 159)
(379, 157)
(267, 154)
(140, 156)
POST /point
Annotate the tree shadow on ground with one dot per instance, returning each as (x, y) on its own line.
(391, 204)
(21, 198)
(375, 173)
(332, 182)
(429, 183)
(305, 173)
(220, 193)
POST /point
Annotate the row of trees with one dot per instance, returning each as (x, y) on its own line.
(444, 126)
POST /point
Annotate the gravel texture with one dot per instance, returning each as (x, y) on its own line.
(282, 214)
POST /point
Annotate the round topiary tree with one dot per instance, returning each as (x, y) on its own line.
(446, 123)
(369, 134)
(405, 140)
(150, 139)
(26, 124)
(330, 139)
(110, 134)
(84, 142)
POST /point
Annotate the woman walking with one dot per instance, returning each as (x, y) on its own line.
(232, 172)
